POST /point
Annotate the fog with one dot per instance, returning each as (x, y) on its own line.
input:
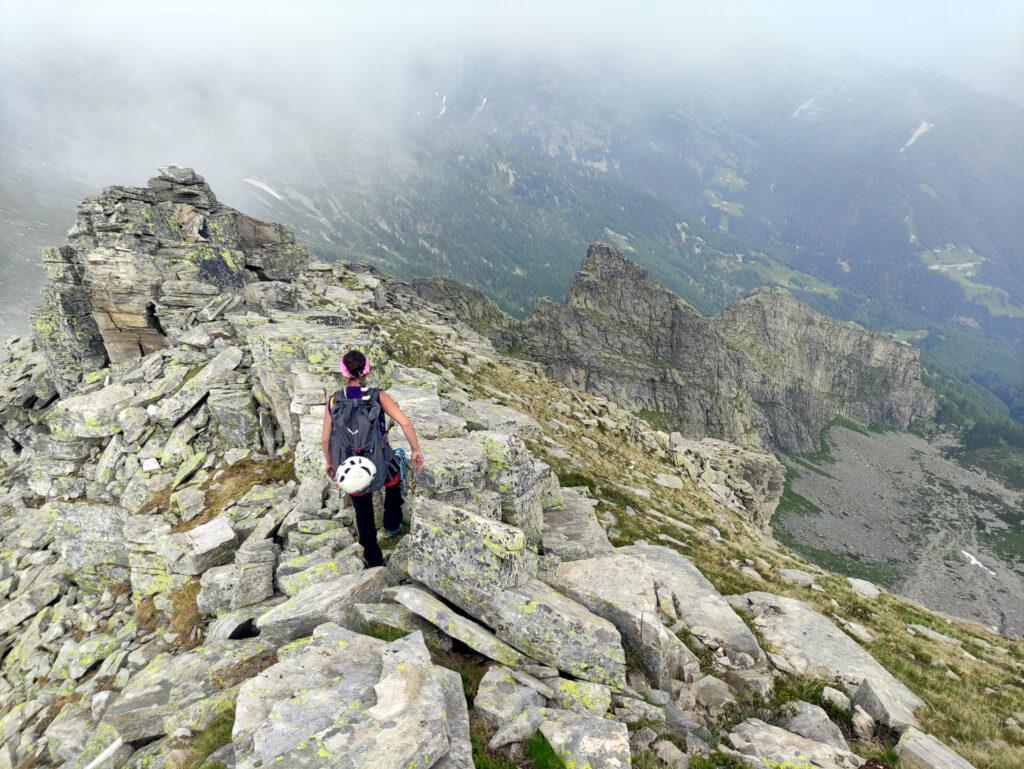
(95, 93)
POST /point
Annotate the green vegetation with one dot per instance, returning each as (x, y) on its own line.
(214, 736)
(961, 264)
(717, 760)
(541, 754)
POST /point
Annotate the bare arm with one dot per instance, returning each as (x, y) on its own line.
(326, 440)
(392, 410)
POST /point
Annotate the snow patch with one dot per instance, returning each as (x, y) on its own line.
(444, 106)
(480, 108)
(975, 562)
(920, 131)
(803, 108)
(263, 186)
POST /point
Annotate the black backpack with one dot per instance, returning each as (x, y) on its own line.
(356, 432)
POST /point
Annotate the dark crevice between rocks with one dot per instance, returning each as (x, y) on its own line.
(246, 629)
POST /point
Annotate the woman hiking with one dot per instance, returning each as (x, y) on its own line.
(357, 454)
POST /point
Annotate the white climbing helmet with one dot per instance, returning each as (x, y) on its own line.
(355, 475)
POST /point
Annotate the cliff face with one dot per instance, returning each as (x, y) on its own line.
(141, 262)
(768, 371)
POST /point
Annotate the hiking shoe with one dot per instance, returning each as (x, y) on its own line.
(395, 533)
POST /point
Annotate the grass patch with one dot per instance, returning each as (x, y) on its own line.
(234, 482)
(717, 760)
(540, 753)
(470, 667)
(215, 736)
(383, 632)
(185, 617)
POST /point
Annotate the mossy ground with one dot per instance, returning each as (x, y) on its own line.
(960, 713)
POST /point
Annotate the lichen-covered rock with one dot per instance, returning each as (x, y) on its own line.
(771, 746)
(193, 552)
(807, 643)
(138, 259)
(169, 683)
(176, 406)
(90, 539)
(581, 696)
(500, 698)
(620, 588)
(486, 415)
(234, 413)
(92, 415)
(320, 603)
(698, 605)
(342, 700)
(470, 633)
(587, 741)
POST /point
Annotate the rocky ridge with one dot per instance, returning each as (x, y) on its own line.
(766, 372)
(180, 586)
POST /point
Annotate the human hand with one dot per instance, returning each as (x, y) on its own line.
(330, 471)
(417, 461)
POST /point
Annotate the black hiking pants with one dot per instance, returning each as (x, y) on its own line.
(367, 529)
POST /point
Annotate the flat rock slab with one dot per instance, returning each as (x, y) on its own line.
(170, 683)
(918, 750)
(807, 643)
(485, 568)
(92, 415)
(587, 741)
(698, 605)
(812, 722)
(455, 625)
(572, 532)
(320, 603)
(193, 552)
(425, 410)
(774, 746)
(460, 746)
(485, 415)
(344, 701)
(620, 588)
(581, 696)
(216, 372)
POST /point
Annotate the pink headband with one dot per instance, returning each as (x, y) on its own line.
(348, 374)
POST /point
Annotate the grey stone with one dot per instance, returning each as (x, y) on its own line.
(518, 729)
(812, 722)
(756, 739)
(918, 750)
(395, 709)
(581, 740)
(864, 588)
(500, 698)
(170, 683)
(176, 406)
(470, 633)
(699, 606)
(90, 539)
(807, 643)
(572, 531)
(193, 552)
(620, 588)
(320, 603)
(92, 415)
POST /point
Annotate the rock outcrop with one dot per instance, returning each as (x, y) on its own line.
(139, 263)
(768, 371)
(179, 586)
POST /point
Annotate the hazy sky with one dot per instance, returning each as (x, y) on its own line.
(979, 42)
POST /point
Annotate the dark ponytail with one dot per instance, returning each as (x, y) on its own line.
(355, 362)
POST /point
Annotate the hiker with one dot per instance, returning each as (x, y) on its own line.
(359, 459)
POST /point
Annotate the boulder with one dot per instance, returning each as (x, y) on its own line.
(863, 587)
(501, 698)
(170, 683)
(193, 552)
(486, 415)
(217, 371)
(581, 696)
(455, 625)
(812, 722)
(587, 741)
(807, 643)
(343, 700)
(320, 603)
(700, 608)
(90, 539)
(620, 588)
(918, 750)
(571, 531)
(92, 415)
(773, 746)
